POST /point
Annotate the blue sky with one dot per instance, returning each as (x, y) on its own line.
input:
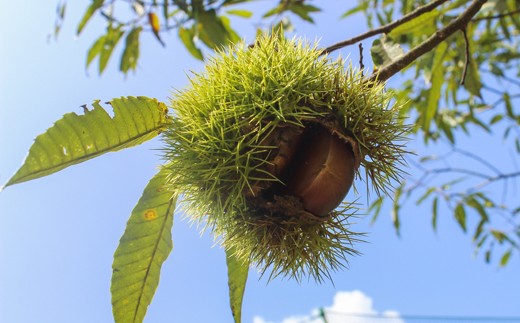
(58, 234)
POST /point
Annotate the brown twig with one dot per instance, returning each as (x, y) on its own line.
(361, 65)
(386, 28)
(459, 23)
(506, 14)
(467, 56)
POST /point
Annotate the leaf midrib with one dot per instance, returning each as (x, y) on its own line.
(156, 247)
(56, 168)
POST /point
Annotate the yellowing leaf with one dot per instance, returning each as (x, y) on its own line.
(153, 19)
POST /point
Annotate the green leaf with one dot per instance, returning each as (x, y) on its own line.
(460, 216)
(96, 4)
(437, 81)
(376, 208)
(95, 49)
(240, 13)
(142, 250)
(424, 24)
(434, 215)
(471, 201)
(505, 258)
(384, 50)
(472, 83)
(509, 105)
(211, 29)
(112, 38)
(131, 52)
(237, 278)
(395, 210)
(276, 10)
(361, 7)
(302, 10)
(77, 138)
(186, 36)
(499, 235)
(496, 119)
(425, 195)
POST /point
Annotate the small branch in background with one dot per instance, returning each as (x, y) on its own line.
(506, 14)
(386, 28)
(477, 158)
(467, 56)
(361, 65)
(459, 23)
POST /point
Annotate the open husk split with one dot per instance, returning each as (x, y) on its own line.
(265, 145)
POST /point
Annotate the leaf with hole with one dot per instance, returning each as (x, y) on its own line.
(77, 138)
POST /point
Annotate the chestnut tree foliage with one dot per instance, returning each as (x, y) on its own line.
(453, 64)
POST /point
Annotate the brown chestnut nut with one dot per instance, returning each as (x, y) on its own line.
(321, 172)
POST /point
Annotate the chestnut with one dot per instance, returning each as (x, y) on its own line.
(321, 171)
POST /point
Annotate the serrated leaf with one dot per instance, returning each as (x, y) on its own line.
(76, 138)
(131, 52)
(237, 278)
(384, 50)
(240, 13)
(460, 216)
(437, 80)
(142, 250)
(186, 37)
(96, 4)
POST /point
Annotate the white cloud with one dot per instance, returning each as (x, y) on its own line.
(352, 307)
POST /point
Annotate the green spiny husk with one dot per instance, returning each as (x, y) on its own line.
(218, 149)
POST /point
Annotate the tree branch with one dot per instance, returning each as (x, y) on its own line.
(507, 14)
(386, 28)
(459, 23)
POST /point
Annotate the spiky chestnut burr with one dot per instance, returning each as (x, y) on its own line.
(265, 145)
